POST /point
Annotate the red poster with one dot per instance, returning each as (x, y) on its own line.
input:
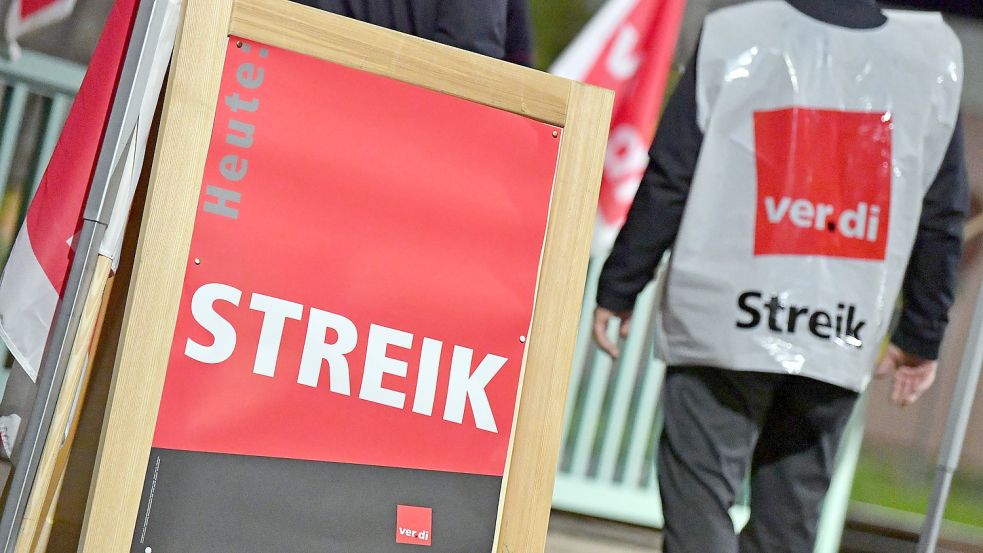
(358, 294)
(824, 183)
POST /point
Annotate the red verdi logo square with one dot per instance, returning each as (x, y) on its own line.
(414, 525)
(824, 183)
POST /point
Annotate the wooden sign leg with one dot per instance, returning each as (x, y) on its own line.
(57, 444)
(44, 532)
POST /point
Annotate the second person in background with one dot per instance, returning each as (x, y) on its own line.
(496, 28)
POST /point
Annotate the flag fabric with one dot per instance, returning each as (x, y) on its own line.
(23, 16)
(36, 271)
(38, 266)
(627, 47)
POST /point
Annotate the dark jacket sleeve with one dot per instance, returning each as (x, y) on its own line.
(475, 26)
(930, 280)
(655, 215)
(518, 34)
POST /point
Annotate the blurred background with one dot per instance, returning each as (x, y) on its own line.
(605, 495)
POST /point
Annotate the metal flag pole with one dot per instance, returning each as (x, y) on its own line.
(955, 432)
(98, 209)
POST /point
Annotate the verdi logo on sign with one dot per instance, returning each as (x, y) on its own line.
(824, 183)
(414, 525)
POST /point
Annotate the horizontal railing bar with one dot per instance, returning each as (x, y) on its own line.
(43, 74)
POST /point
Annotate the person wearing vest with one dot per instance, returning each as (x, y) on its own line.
(808, 169)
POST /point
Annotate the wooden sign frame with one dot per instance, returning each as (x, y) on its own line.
(165, 235)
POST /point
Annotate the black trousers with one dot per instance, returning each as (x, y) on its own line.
(720, 423)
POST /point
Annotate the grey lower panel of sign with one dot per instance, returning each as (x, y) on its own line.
(217, 503)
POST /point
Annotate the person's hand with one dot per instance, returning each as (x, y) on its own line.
(913, 375)
(601, 318)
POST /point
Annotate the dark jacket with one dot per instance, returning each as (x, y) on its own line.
(475, 25)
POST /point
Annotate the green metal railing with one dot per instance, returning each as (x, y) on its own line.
(34, 76)
(607, 465)
(612, 424)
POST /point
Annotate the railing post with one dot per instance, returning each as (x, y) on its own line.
(834, 511)
(955, 428)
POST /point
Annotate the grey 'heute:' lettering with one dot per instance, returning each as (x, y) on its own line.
(245, 137)
(224, 197)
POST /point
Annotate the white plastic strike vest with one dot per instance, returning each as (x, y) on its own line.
(820, 143)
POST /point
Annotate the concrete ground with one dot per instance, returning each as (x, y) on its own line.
(570, 533)
(570, 544)
(868, 531)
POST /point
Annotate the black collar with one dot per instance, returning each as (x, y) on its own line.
(853, 14)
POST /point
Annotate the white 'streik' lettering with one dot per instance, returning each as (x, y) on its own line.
(843, 324)
(467, 383)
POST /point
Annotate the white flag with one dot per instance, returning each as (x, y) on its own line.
(23, 16)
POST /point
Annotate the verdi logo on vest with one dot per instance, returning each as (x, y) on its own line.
(824, 183)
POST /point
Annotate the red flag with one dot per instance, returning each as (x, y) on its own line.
(24, 16)
(627, 47)
(35, 274)
(34, 10)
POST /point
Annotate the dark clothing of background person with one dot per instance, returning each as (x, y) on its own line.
(475, 25)
(716, 419)
(786, 427)
(518, 34)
